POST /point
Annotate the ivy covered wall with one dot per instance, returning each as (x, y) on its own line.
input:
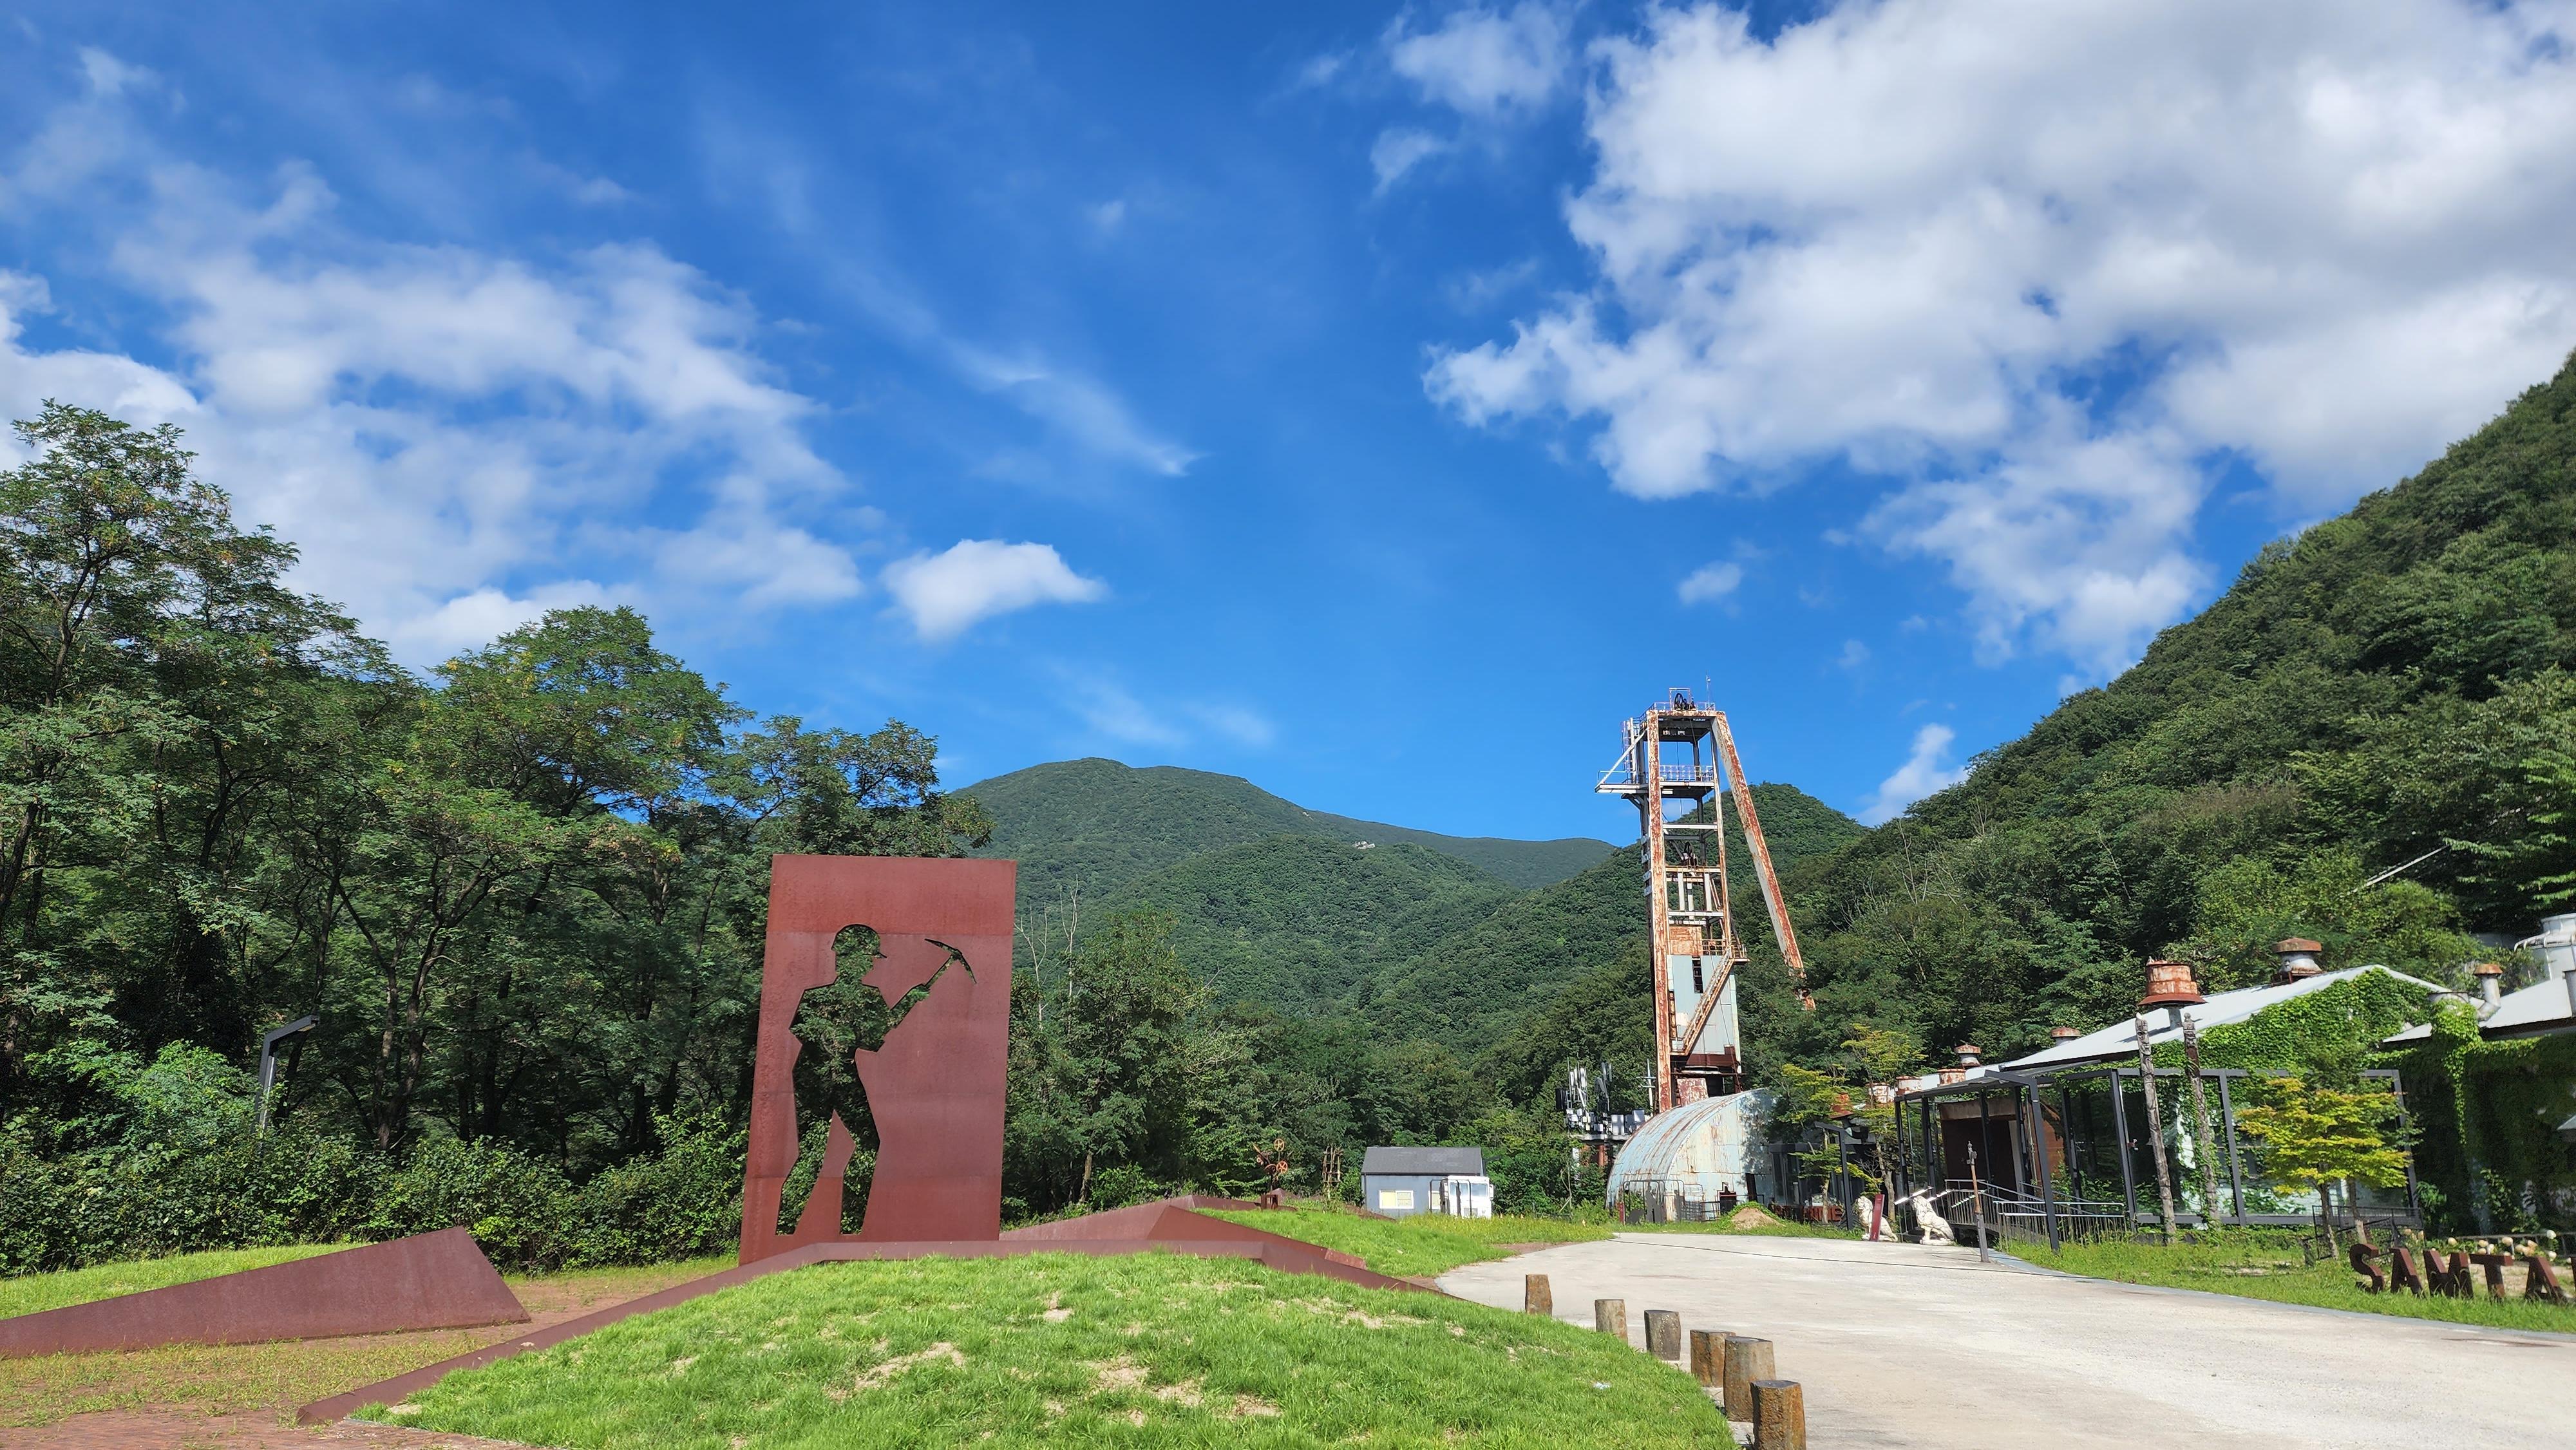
(2489, 1114)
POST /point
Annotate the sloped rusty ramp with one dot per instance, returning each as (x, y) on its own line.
(428, 1281)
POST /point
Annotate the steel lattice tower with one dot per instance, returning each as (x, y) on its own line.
(1682, 753)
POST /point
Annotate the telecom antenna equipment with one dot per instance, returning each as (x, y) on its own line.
(1682, 754)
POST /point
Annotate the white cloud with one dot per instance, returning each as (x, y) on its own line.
(1110, 710)
(2039, 263)
(1711, 581)
(1108, 216)
(975, 579)
(1483, 62)
(1078, 406)
(430, 424)
(1855, 654)
(1239, 724)
(1398, 151)
(1920, 775)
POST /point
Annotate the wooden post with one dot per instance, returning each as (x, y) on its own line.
(1664, 1334)
(2156, 1128)
(1779, 1415)
(1747, 1360)
(1535, 1295)
(1708, 1356)
(2202, 1138)
(1977, 1206)
(1610, 1316)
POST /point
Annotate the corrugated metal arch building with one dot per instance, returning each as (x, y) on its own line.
(1694, 1153)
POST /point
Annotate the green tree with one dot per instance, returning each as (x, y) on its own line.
(2318, 1133)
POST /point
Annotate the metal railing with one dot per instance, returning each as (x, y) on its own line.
(2007, 1217)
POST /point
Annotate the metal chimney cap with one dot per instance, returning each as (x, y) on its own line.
(2169, 984)
(1968, 1053)
(2486, 969)
(2289, 944)
(2063, 1033)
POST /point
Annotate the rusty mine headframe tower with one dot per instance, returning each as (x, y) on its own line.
(1682, 752)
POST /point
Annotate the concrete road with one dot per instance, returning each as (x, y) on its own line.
(1902, 1346)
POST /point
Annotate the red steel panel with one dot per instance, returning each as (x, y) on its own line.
(935, 1088)
(428, 1281)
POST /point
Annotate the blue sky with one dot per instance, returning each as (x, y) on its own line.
(1377, 402)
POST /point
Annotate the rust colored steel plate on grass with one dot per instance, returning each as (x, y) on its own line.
(934, 1088)
(428, 1281)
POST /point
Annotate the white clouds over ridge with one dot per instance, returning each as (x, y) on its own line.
(2042, 263)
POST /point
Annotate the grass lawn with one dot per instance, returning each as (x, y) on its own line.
(2267, 1266)
(237, 1378)
(1425, 1244)
(1064, 1349)
(36, 1292)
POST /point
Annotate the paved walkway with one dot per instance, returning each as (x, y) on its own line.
(1900, 1346)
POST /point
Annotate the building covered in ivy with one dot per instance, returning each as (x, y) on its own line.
(2494, 1089)
(2065, 1141)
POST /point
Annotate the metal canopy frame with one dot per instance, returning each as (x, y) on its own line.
(2030, 1112)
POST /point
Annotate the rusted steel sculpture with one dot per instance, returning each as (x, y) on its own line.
(931, 1091)
(428, 1281)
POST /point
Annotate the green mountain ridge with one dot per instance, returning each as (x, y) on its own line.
(1319, 916)
(1098, 824)
(2391, 683)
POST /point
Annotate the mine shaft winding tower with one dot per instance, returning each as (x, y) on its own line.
(1678, 766)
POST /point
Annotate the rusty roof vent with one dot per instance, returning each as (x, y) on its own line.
(2169, 984)
(1968, 1054)
(2490, 977)
(2298, 958)
(2063, 1034)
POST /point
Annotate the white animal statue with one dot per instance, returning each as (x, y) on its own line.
(1936, 1229)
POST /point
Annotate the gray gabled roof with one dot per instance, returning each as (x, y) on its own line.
(1424, 1162)
(2120, 1039)
(2539, 1008)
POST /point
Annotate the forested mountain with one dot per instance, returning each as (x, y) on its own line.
(1100, 824)
(2390, 684)
(1303, 923)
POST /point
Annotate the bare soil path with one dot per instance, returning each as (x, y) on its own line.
(1899, 1346)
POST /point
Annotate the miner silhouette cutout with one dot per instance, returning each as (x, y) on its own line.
(896, 1040)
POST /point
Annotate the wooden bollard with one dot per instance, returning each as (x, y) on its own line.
(1747, 1359)
(1664, 1334)
(1535, 1298)
(1779, 1415)
(1708, 1356)
(1610, 1316)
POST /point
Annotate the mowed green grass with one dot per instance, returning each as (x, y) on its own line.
(34, 1293)
(1148, 1350)
(1425, 1244)
(2220, 1265)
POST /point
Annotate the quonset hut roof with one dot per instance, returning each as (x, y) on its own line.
(1424, 1162)
(1708, 1144)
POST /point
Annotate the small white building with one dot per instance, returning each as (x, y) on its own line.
(1401, 1182)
